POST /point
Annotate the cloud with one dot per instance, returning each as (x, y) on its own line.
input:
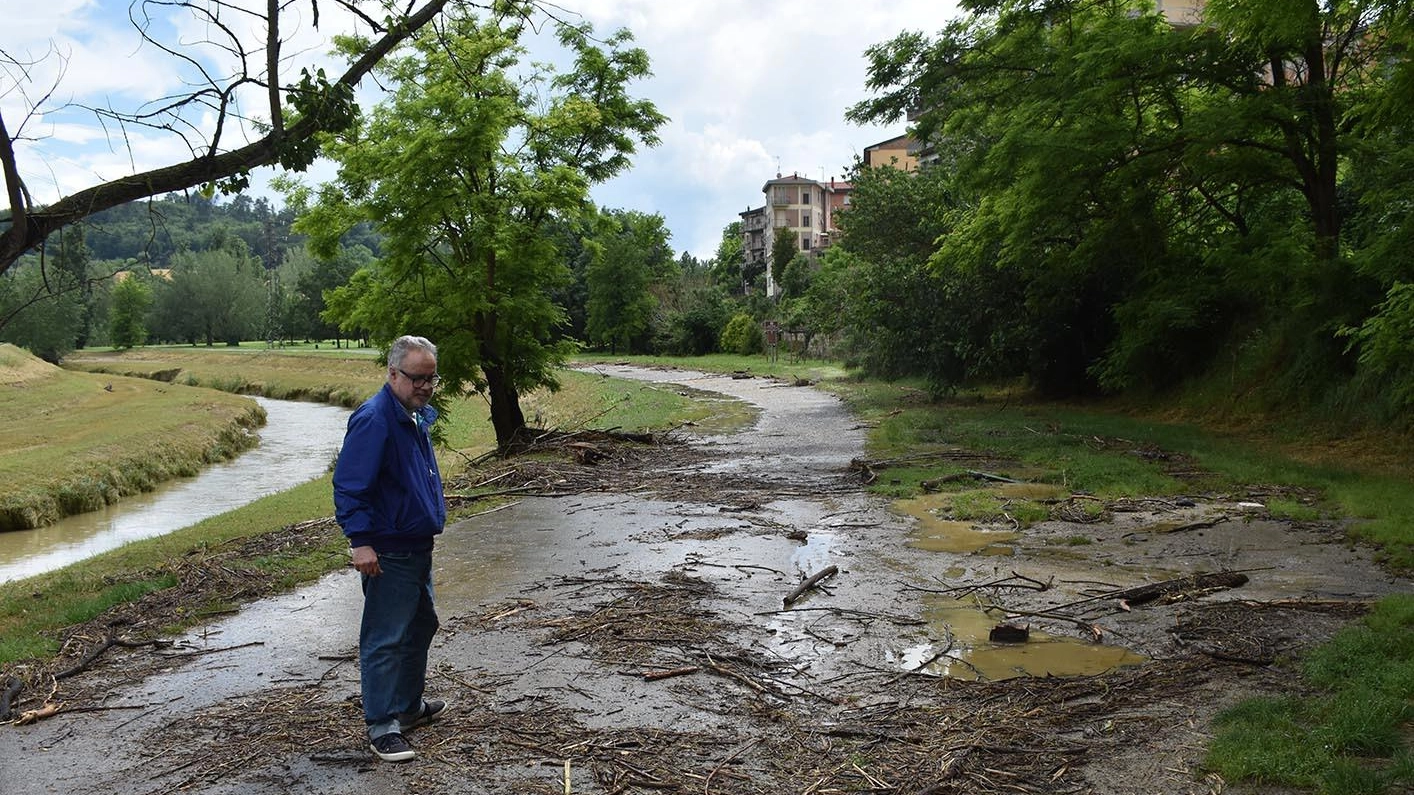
(750, 87)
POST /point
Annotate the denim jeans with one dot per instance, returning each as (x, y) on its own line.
(399, 620)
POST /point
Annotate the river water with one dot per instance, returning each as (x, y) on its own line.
(297, 444)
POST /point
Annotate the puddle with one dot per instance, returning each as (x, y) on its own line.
(1031, 491)
(970, 655)
(936, 534)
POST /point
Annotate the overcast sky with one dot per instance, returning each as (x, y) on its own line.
(749, 86)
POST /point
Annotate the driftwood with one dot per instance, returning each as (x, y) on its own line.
(810, 582)
(1148, 593)
(653, 676)
(971, 474)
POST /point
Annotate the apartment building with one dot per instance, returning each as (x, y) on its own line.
(797, 206)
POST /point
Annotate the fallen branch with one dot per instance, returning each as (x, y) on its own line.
(653, 676)
(810, 582)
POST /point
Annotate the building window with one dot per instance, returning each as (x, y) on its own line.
(804, 195)
(805, 218)
(805, 242)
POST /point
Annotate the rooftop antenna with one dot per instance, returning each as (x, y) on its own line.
(778, 166)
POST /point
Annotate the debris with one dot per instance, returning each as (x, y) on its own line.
(810, 582)
(1009, 633)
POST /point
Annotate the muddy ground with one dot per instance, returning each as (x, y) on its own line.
(623, 628)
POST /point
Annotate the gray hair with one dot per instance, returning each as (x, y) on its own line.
(406, 343)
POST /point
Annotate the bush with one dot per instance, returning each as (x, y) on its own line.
(742, 336)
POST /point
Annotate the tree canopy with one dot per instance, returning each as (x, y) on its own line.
(462, 171)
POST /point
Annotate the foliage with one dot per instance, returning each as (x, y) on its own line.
(214, 295)
(127, 318)
(1149, 201)
(628, 253)
(730, 258)
(41, 310)
(463, 170)
(742, 335)
(783, 250)
(692, 322)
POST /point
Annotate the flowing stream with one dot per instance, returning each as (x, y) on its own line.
(297, 444)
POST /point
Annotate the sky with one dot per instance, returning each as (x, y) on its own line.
(751, 88)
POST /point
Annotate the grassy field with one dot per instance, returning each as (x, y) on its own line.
(73, 442)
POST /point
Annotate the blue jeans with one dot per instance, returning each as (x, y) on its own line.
(399, 620)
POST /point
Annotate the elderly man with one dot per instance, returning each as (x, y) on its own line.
(388, 500)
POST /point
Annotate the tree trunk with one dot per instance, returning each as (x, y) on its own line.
(506, 416)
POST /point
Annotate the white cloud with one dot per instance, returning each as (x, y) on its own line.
(747, 85)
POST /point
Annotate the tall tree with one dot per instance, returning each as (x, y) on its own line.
(215, 295)
(630, 252)
(127, 318)
(461, 171)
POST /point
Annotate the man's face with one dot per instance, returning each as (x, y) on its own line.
(412, 380)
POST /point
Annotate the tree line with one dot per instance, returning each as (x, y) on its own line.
(1116, 204)
(1109, 204)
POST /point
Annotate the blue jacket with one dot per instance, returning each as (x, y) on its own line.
(387, 489)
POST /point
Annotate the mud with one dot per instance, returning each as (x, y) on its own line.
(629, 636)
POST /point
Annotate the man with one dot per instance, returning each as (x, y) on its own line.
(388, 499)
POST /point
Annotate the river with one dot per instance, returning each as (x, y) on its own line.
(297, 444)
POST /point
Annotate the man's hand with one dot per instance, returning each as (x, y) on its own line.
(366, 561)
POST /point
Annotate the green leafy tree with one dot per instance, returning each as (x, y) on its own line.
(42, 312)
(1150, 194)
(461, 171)
(730, 259)
(127, 317)
(783, 250)
(630, 253)
(213, 295)
(743, 335)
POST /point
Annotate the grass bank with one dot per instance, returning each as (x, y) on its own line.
(74, 442)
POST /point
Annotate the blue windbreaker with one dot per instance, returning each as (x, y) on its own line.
(387, 489)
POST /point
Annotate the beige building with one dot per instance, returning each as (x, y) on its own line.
(796, 206)
(1181, 13)
(901, 152)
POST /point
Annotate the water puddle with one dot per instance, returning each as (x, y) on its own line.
(959, 537)
(969, 654)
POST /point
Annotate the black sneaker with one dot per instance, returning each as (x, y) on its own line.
(431, 710)
(392, 747)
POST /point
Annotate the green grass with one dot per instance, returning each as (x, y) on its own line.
(74, 442)
(1350, 734)
(34, 609)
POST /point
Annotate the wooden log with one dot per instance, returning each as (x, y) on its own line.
(653, 676)
(1148, 593)
(810, 582)
(1009, 633)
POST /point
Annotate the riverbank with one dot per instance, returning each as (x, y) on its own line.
(74, 442)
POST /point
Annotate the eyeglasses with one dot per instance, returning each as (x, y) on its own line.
(421, 380)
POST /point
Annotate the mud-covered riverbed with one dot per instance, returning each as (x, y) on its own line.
(630, 636)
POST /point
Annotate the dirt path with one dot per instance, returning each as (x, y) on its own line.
(564, 616)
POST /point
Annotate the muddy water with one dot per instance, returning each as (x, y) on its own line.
(297, 444)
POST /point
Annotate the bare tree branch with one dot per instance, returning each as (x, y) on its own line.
(29, 225)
